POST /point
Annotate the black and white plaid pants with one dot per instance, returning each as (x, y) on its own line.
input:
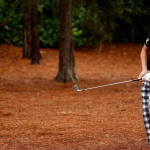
(145, 92)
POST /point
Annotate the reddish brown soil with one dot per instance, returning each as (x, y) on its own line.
(38, 113)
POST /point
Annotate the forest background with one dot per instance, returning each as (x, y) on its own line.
(93, 22)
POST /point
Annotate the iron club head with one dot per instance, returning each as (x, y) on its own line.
(76, 88)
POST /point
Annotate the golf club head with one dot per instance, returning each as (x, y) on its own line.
(76, 87)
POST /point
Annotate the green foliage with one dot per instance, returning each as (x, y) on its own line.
(78, 15)
(96, 19)
(49, 23)
(11, 31)
(77, 36)
(48, 31)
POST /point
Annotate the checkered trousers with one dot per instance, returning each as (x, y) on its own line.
(145, 92)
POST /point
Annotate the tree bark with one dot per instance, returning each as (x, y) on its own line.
(31, 46)
(66, 50)
(35, 53)
(27, 38)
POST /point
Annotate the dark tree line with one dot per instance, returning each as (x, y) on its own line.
(93, 21)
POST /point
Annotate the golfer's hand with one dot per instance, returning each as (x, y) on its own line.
(141, 75)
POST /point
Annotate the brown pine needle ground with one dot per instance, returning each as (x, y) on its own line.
(38, 113)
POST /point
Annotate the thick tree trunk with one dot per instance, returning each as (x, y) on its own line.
(66, 51)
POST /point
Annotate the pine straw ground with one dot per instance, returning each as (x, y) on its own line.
(37, 113)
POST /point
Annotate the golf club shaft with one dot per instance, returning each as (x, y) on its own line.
(76, 86)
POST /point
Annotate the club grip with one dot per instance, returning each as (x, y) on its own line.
(137, 79)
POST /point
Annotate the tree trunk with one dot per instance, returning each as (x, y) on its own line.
(66, 51)
(100, 46)
(35, 53)
(27, 38)
(31, 47)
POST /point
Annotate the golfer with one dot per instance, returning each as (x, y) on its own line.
(145, 90)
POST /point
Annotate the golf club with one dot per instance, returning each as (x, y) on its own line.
(79, 90)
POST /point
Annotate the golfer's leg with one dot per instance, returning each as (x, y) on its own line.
(146, 105)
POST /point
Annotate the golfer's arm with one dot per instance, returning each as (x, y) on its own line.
(144, 55)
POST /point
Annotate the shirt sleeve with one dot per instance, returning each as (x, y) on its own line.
(147, 41)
